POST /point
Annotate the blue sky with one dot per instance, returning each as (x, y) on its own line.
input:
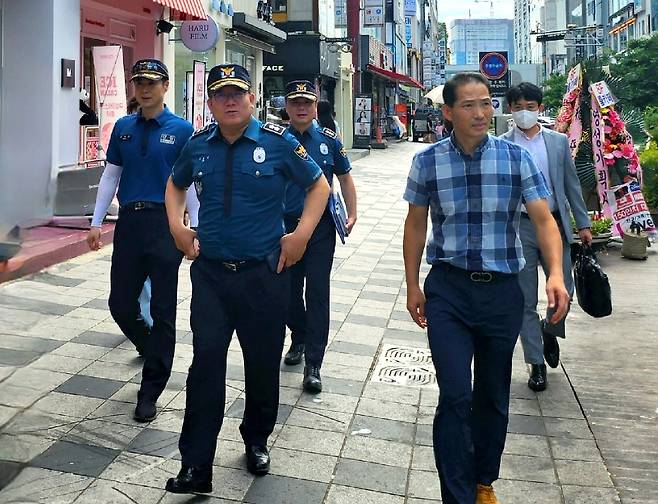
(449, 9)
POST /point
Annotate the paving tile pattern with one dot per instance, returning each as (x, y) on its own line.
(68, 382)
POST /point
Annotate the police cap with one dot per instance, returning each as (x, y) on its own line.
(301, 89)
(228, 75)
(151, 69)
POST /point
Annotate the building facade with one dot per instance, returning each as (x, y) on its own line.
(48, 77)
(467, 37)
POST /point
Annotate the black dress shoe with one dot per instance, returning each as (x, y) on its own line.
(537, 380)
(145, 411)
(258, 459)
(294, 355)
(312, 381)
(551, 349)
(190, 480)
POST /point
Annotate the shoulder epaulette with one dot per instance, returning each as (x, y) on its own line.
(274, 128)
(203, 130)
(328, 132)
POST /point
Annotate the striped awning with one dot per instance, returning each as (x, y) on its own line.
(192, 8)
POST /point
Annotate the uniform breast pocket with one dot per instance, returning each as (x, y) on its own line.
(202, 174)
(260, 180)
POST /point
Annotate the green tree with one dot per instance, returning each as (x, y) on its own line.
(554, 88)
(638, 68)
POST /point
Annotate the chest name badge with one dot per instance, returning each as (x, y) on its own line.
(167, 139)
(125, 138)
(324, 149)
(259, 154)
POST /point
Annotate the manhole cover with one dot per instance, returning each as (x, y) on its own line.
(407, 366)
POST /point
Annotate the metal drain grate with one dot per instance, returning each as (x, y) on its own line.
(407, 366)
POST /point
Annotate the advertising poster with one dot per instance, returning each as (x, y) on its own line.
(110, 90)
(362, 120)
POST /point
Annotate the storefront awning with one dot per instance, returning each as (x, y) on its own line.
(192, 8)
(258, 28)
(395, 77)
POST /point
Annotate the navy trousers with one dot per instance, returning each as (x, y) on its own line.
(252, 302)
(308, 317)
(144, 247)
(471, 321)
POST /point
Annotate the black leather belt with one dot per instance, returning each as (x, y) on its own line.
(136, 206)
(237, 266)
(476, 276)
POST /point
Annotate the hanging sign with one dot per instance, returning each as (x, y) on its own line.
(199, 36)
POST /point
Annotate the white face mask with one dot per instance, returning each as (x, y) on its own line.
(525, 119)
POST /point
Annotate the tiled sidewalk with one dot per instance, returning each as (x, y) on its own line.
(68, 383)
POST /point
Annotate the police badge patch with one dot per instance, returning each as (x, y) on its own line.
(343, 152)
(259, 155)
(324, 149)
(301, 152)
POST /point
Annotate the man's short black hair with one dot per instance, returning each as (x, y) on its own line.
(461, 79)
(525, 91)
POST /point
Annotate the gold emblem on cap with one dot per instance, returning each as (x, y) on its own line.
(228, 71)
(301, 87)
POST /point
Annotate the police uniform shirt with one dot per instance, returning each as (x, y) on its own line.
(326, 149)
(262, 161)
(147, 151)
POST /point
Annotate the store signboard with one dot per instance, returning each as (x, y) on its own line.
(362, 120)
(340, 9)
(373, 13)
(495, 67)
(409, 7)
(110, 90)
(199, 36)
(407, 31)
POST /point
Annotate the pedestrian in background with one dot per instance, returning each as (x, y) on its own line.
(551, 153)
(473, 185)
(240, 169)
(140, 156)
(308, 318)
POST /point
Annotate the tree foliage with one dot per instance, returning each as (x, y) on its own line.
(554, 88)
(638, 67)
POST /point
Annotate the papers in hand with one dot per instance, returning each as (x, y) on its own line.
(339, 214)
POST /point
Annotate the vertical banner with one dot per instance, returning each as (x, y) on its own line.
(598, 138)
(198, 95)
(110, 89)
(630, 213)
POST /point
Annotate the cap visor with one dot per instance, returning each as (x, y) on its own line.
(149, 76)
(308, 96)
(229, 82)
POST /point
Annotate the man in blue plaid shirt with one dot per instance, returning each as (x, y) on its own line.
(473, 185)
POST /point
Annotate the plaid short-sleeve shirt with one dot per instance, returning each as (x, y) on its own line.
(475, 202)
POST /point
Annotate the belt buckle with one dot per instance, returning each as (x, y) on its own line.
(230, 266)
(139, 205)
(481, 276)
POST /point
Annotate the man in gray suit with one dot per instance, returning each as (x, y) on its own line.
(552, 155)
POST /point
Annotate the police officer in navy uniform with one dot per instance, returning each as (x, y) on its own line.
(240, 168)
(310, 323)
(141, 153)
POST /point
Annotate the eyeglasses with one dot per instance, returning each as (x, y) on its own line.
(223, 97)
